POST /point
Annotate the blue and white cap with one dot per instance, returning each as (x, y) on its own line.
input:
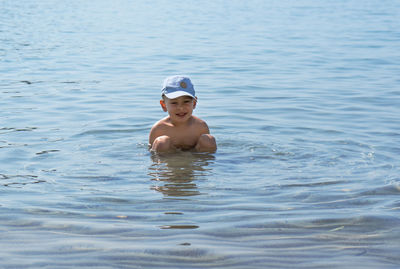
(177, 86)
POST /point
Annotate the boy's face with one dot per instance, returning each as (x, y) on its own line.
(179, 109)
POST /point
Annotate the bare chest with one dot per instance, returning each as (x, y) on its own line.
(184, 138)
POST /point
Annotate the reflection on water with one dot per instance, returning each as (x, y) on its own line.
(175, 176)
(177, 173)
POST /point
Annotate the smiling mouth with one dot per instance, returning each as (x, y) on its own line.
(181, 115)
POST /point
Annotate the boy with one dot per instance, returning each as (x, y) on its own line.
(180, 129)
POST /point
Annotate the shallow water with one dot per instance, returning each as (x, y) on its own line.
(302, 96)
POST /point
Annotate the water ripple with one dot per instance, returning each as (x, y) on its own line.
(302, 97)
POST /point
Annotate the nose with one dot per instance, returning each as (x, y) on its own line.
(180, 106)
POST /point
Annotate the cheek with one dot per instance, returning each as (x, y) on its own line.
(171, 107)
(188, 107)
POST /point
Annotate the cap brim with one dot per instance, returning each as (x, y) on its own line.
(177, 94)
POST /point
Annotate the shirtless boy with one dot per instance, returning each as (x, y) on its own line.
(180, 129)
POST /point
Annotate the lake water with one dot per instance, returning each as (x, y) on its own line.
(303, 98)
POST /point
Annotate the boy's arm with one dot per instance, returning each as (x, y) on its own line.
(153, 134)
(206, 142)
(204, 128)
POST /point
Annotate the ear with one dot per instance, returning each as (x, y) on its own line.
(163, 106)
(194, 102)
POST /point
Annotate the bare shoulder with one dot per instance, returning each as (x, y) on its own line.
(158, 129)
(201, 125)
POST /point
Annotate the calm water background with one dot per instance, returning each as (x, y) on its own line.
(302, 96)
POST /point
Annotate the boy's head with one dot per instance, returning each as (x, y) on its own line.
(177, 86)
(178, 92)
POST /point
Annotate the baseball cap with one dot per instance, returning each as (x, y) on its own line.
(176, 86)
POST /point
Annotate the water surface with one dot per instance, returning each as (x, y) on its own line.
(303, 98)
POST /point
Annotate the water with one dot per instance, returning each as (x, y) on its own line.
(303, 98)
